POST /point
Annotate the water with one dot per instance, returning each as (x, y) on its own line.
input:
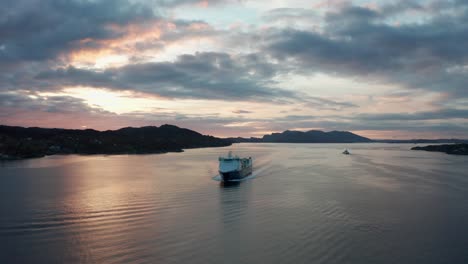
(305, 203)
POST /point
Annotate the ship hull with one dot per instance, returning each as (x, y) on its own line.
(236, 175)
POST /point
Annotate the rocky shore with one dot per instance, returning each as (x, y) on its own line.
(455, 149)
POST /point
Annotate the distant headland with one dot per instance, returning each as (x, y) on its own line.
(312, 136)
(455, 149)
(21, 143)
(317, 136)
(33, 142)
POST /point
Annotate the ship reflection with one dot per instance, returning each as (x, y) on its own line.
(229, 184)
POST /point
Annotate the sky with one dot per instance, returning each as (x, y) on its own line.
(382, 69)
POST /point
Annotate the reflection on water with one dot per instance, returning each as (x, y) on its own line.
(304, 203)
(225, 185)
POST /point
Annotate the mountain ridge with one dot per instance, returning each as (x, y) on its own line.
(311, 136)
(29, 142)
(361, 139)
(20, 142)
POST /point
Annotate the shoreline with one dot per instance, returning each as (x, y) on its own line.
(6, 158)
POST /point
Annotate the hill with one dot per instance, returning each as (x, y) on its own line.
(20, 142)
(312, 136)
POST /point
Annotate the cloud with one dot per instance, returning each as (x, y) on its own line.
(208, 75)
(292, 17)
(202, 3)
(327, 104)
(402, 6)
(33, 30)
(12, 102)
(203, 75)
(87, 33)
(240, 111)
(359, 42)
(441, 114)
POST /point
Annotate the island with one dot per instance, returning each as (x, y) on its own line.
(312, 136)
(455, 149)
(34, 142)
(317, 136)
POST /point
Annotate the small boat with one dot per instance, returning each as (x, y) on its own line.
(346, 152)
(234, 168)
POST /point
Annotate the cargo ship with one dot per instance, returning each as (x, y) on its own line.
(234, 168)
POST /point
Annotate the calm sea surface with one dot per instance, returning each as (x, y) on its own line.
(305, 203)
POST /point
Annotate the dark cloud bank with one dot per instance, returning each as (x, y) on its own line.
(36, 30)
(203, 75)
(359, 42)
